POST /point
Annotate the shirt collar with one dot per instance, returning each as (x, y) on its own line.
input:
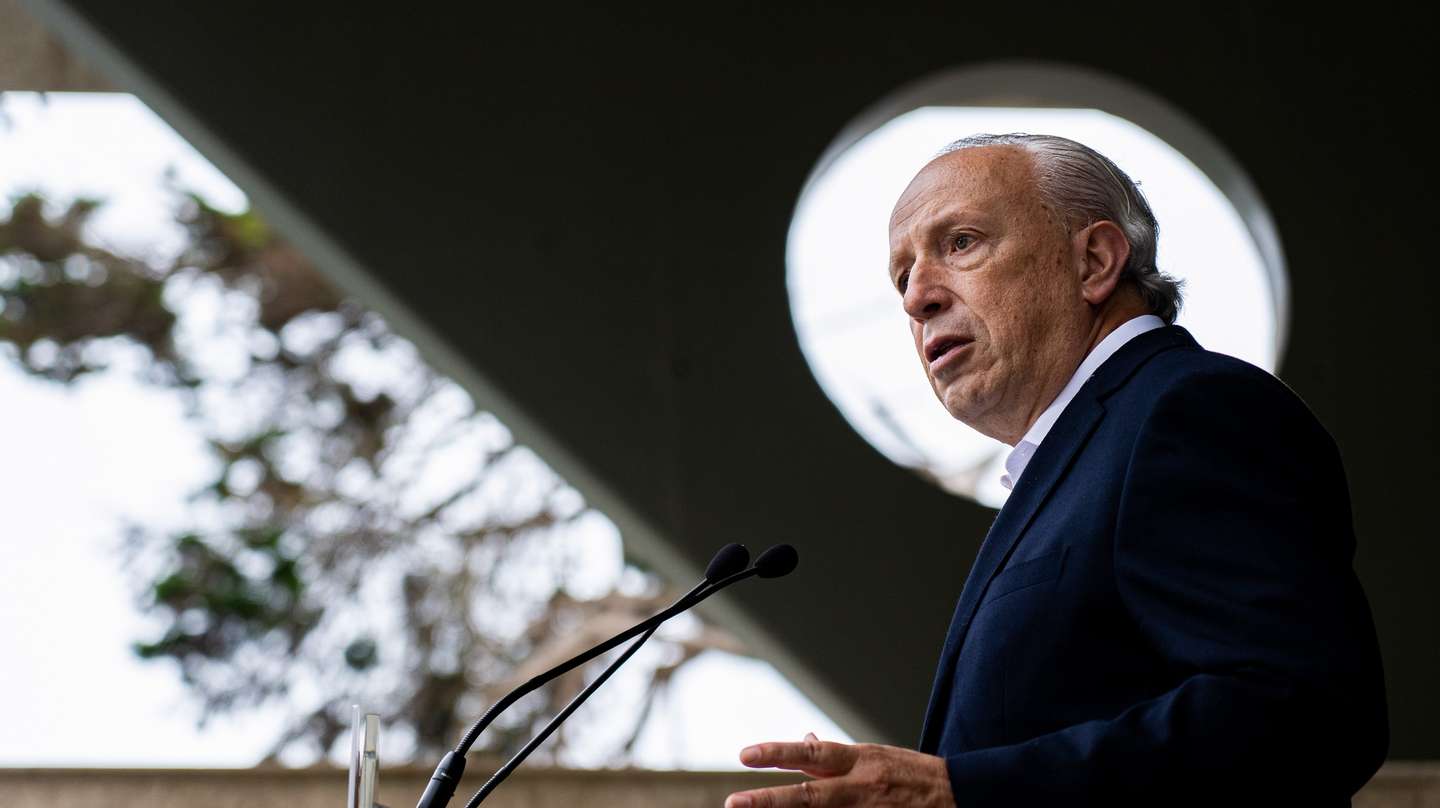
(1020, 454)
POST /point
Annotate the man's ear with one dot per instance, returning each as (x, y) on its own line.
(1103, 252)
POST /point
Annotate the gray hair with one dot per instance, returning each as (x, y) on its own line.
(1083, 186)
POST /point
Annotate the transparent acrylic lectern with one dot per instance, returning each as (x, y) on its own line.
(364, 764)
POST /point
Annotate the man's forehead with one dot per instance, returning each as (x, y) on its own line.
(983, 176)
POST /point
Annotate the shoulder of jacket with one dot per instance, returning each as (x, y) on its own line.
(1192, 370)
(1220, 386)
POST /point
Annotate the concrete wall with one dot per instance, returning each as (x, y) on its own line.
(31, 59)
(1398, 785)
(399, 788)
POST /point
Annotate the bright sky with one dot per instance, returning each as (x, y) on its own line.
(78, 460)
(854, 333)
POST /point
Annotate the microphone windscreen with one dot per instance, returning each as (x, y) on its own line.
(778, 561)
(731, 559)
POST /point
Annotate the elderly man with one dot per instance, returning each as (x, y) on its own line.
(1164, 612)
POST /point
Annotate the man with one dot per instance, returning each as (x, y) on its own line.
(1164, 612)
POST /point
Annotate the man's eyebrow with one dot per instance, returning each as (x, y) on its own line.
(944, 219)
(949, 217)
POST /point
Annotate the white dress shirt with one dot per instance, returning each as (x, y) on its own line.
(1020, 455)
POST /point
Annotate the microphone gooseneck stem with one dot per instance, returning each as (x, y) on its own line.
(696, 595)
(452, 767)
(447, 775)
(514, 762)
(535, 682)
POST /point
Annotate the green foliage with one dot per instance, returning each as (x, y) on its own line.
(327, 549)
(225, 602)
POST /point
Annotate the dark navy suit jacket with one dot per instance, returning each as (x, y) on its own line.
(1165, 610)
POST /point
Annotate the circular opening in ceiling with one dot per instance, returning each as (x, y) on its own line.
(1215, 233)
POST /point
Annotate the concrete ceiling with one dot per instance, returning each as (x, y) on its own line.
(32, 59)
(581, 214)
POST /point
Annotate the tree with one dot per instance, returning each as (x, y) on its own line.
(367, 533)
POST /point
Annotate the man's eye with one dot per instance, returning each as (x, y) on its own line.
(903, 282)
(963, 241)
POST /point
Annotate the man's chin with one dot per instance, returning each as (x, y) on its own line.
(968, 410)
(961, 409)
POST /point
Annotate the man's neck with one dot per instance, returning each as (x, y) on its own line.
(1109, 320)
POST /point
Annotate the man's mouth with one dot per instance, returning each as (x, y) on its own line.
(940, 347)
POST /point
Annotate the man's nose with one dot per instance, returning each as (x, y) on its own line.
(925, 292)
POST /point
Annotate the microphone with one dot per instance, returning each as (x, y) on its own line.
(776, 562)
(726, 567)
(729, 560)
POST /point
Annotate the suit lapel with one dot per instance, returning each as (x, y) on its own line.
(1049, 465)
(1044, 470)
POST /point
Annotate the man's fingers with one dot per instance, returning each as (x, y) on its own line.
(816, 757)
(810, 794)
(850, 775)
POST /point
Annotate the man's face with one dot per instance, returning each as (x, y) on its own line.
(990, 281)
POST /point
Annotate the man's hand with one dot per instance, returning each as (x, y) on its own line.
(864, 774)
